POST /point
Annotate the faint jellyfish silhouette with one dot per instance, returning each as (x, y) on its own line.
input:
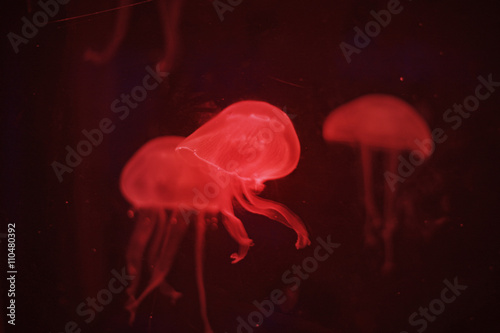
(245, 145)
(387, 124)
(169, 11)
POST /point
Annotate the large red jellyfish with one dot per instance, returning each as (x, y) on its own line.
(157, 180)
(245, 145)
(382, 123)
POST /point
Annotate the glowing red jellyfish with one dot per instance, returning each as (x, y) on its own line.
(154, 180)
(245, 145)
(379, 123)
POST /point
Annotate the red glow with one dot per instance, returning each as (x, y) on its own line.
(229, 157)
(385, 123)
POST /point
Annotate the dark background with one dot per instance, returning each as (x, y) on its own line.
(70, 235)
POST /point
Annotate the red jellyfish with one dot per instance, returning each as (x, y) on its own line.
(387, 124)
(157, 179)
(245, 145)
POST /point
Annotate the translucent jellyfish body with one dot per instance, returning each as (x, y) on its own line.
(379, 123)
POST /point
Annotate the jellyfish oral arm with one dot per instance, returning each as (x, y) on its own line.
(373, 219)
(367, 165)
(391, 219)
(141, 235)
(274, 211)
(235, 228)
(172, 234)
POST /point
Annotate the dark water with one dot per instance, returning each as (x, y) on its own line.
(71, 235)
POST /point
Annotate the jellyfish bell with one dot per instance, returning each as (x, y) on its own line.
(378, 121)
(156, 178)
(251, 139)
(385, 123)
(247, 144)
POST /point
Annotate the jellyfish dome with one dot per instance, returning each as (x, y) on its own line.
(377, 121)
(156, 178)
(249, 143)
(250, 139)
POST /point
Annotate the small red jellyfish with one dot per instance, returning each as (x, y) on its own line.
(157, 178)
(383, 123)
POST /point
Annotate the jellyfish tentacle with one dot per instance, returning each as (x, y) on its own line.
(168, 250)
(390, 217)
(156, 243)
(237, 231)
(136, 248)
(154, 246)
(155, 255)
(274, 211)
(199, 247)
(373, 220)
